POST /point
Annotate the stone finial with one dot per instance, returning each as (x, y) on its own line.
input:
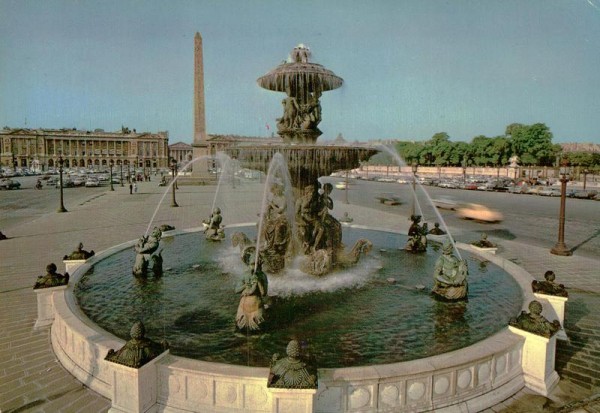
(484, 242)
(534, 322)
(79, 254)
(52, 278)
(138, 350)
(549, 286)
(291, 372)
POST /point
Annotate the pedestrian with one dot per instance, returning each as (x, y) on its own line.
(130, 188)
(135, 188)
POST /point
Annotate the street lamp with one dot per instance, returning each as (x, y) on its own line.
(585, 174)
(111, 164)
(173, 169)
(560, 248)
(121, 166)
(128, 173)
(414, 168)
(61, 162)
(346, 189)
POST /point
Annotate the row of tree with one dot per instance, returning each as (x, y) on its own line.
(532, 144)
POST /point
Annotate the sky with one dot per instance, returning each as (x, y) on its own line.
(411, 68)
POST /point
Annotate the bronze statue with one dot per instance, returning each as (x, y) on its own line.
(291, 372)
(79, 254)
(535, 322)
(52, 278)
(145, 249)
(484, 242)
(450, 276)
(436, 230)
(253, 290)
(138, 350)
(417, 241)
(213, 230)
(549, 287)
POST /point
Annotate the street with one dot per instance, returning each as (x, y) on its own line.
(530, 219)
(527, 218)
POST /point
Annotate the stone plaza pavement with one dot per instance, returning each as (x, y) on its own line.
(32, 380)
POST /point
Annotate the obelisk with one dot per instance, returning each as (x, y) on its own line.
(200, 145)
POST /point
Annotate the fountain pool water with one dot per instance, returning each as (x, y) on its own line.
(356, 317)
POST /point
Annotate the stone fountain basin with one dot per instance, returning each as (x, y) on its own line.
(475, 377)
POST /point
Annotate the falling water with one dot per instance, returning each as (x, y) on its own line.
(401, 163)
(277, 170)
(168, 188)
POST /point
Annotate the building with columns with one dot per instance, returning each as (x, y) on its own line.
(39, 149)
(182, 152)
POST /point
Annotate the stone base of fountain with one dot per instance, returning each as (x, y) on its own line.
(555, 311)
(45, 305)
(538, 361)
(470, 379)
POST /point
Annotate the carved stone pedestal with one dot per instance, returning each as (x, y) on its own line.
(45, 305)
(538, 361)
(72, 265)
(555, 311)
(134, 390)
(293, 400)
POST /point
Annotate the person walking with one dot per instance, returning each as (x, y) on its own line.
(130, 188)
(135, 188)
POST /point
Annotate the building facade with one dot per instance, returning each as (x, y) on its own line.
(39, 149)
(181, 152)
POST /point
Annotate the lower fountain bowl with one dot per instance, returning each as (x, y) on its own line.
(376, 369)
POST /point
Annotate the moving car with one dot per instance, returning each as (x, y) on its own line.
(445, 202)
(478, 212)
(388, 198)
(7, 183)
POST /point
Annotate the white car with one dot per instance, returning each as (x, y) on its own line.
(478, 212)
(92, 182)
(445, 202)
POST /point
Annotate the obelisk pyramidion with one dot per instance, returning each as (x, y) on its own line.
(200, 145)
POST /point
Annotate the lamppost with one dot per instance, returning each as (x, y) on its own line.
(173, 169)
(585, 174)
(61, 162)
(464, 169)
(560, 248)
(111, 164)
(121, 166)
(128, 173)
(414, 168)
(346, 189)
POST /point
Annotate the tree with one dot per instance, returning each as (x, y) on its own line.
(532, 143)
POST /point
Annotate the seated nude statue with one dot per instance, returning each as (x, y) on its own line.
(213, 228)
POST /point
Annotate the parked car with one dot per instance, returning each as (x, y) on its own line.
(8, 183)
(92, 183)
(534, 190)
(549, 191)
(581, 194)
(478, 212)
(517, 189)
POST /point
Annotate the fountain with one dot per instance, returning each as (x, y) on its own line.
(378, 345)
